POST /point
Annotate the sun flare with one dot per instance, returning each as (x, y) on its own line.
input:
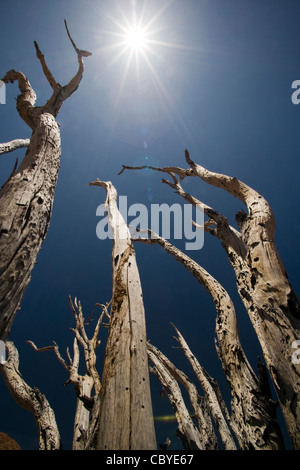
(135, 39)
(137, 44)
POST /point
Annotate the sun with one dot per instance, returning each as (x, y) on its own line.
(137, 45)
(135, 39)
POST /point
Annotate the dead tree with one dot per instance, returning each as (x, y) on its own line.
(119, 415)
(87, 386)
(125, 416)
(253, 415)
(27, 196)
(261, 280)
(31, 399)
(114, 412)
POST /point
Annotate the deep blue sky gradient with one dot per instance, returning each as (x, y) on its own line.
(222, 89)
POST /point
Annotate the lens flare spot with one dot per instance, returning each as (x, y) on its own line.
(165, 419)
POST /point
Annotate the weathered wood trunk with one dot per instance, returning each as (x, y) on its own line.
(25, 207)
(26, 198)
(253, 416)
(31, 399)
(82, 415)
(126, 416)
(264, 287)
(274, 311)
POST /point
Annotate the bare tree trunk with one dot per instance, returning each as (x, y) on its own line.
(262, 282)
(253, 416)
(32, 400)
(26, 198)
(82, 415)
(126, 416)
(266, 292)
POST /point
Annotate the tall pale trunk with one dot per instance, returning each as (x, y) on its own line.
(126, 416)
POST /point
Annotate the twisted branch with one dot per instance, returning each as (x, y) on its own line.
(31, 399)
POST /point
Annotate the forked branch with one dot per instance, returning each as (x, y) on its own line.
(89, 346)
(60, 94)
(83, 384)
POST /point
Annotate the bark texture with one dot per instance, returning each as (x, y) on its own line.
(261, 278)
(125, 415)
(31, 399)
(26, 198)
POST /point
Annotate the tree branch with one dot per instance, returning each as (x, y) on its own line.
(74, 83)
(83, 384)
(199, 404)
(215, 402)
(229, 236)
(191, 437)
(26, 100)
(80, 52)
(168, 169)
(45, 68)
(88, 345)
(54, 348)
(232, 185)
(14, 145)
(32, 400)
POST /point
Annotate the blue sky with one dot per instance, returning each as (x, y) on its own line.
(216, 80)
